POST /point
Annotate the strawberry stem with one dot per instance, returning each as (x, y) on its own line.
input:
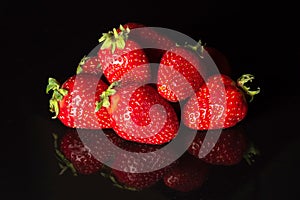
(251, 152)
(114, 40)
(81, 63)
(64, 163)
(105, 96)
(198, 48)
(245, 78)
(58, 94)
(121, 186)
(106, 173)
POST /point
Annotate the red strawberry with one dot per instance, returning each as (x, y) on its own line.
(122, 58)
(89, 65)
(220, 147)
(220, 60)
(74, 103)
(180, 73)
(140, 114)
(150, 37)
(85, 151)
(219, 103)
(187, 175)
(78, 155)
(132, 25)
(143, 168)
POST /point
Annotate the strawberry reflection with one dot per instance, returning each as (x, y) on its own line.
(188, 174)
(87, 152)
(226, 148)
(84, 151)
(134, 170)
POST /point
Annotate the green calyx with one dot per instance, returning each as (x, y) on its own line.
(114, 40)
(81, 63)
(251, 153)
(246, 78)
(109, 176)
(58, 94)
(64, 163)
(104, 97)
(197, 48)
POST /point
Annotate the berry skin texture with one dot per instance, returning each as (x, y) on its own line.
(85, 151)
(150, 37)
(123, 59)
(140, 114)
(187, 175)
(135, 170)
(180, 74)
(78, 154)
(226, 148)
(89, 65)
(137, 181)
(217, 104)
(74, 102)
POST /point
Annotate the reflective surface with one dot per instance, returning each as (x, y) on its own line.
(43, 41)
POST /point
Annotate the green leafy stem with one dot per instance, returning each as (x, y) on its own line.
(58, 94)
(64, 163)
(245, 78)
(105, 96)
(114, 40)
(251, 153)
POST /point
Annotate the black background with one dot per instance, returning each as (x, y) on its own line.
(39, 40)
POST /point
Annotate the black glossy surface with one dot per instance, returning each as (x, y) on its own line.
(41, 40)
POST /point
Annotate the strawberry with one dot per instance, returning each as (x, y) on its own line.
(79, 158)
(180, 73)
(123, 59)
(131, 25)
(220, 103)
(142, 168)
(89, 65)
(85, 151)
(220, 147)
(156, 43)
(136, 117)
(187, 175)
(74, 102)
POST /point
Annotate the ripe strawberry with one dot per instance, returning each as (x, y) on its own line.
(131, 25)
(136, 117)
(225, 148)
(122, 58)
(84, 151)
(150, 37)
(141, 169)
(74, 102)
(90, 65)
(219, 103)
(180, 73)
(187, 175)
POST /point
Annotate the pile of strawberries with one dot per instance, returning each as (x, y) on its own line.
(139, 97)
